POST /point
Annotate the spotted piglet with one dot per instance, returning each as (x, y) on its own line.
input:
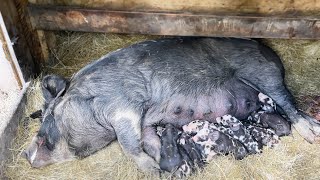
(179, 154)
(191, 154)
(267, 104)
(268, 117)
(264, 136)
(273, 121)
(239, 132)
(199, 133)
(212, 141)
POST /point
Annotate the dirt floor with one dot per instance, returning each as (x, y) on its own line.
(294, 158)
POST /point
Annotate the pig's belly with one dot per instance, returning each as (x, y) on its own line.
(181, 109)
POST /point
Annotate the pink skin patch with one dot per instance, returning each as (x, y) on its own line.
(195, 126)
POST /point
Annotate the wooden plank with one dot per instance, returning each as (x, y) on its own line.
(6, 44)
(203, 6)
(177, 24)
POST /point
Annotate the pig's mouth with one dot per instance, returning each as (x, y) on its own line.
(37, 153)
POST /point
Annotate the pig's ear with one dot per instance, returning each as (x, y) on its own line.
(53, 86)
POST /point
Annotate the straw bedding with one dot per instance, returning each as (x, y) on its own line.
(292, 159)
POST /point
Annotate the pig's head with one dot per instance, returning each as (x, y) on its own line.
(49, 145)
(221, 142)
(276, 122)
(170, 156)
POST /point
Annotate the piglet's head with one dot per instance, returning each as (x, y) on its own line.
(48, 145)
(280, 125)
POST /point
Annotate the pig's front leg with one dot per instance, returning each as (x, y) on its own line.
(127, 126)
(151, 142)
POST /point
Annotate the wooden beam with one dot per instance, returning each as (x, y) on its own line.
(6, 44)
(195, 6)
(33, 38)
(177, 24)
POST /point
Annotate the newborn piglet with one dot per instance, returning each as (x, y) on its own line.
(268, 117)
(267, 104)
(275, 121)
(264, 136)
(171, 158)
(212, 141)
(180, 159)
(191, 154)
(239, 132)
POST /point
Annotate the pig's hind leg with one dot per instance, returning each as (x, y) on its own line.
(267, 76)
(127, 125)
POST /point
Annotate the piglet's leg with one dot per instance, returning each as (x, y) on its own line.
(127, 126)
(151, 142)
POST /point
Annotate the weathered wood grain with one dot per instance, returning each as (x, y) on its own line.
(203, 6)
(34, 38)
(180, 24)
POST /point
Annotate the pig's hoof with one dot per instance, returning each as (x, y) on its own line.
(316, 131)
(305, 129)
(148, 164)
(313, 122)
(312, 125)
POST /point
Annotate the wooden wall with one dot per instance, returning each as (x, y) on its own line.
(291, 19)
(245, 18)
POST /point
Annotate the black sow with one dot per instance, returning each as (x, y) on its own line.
(125, 93)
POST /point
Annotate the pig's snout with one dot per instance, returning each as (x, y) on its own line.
(283, 129)
(28, 156)
(39, 155)
(30, 152)
(31, 156)
(34, 157)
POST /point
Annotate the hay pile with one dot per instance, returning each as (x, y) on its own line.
(75, 50)
(301, 59)
(292, 159)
